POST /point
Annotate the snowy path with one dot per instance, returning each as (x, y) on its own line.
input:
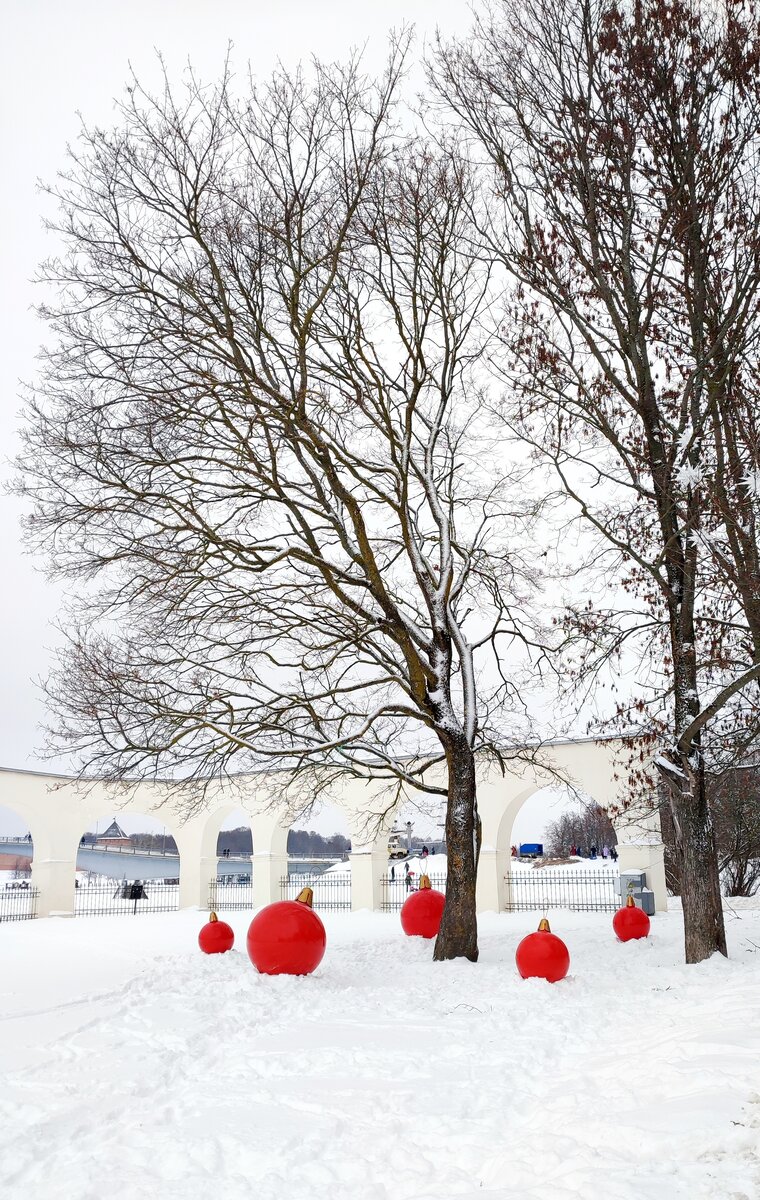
(135, 1068)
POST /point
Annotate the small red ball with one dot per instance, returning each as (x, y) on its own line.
(217, 937)
(422, 911)
(542, 955)
(630, 922)
(286, 938)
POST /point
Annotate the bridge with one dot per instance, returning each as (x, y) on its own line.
(58, 809)
(119, 862)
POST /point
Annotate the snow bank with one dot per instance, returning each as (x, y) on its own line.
(135, 1067)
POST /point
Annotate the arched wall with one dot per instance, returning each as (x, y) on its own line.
(19, 811)
(57, 809)
(25, 850)
(601, 769)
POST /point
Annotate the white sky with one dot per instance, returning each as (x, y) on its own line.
(58, 58)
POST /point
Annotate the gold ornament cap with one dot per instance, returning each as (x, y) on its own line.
(544, 926)
(305, 896)
(630, 902)
(425, 882)
(212, 917)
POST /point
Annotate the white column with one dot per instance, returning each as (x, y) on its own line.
(195, 878)
(269, 861)
(493, 866)
(500, 798)
(54, 878)
(268, 871)
(367, 870)
(197, 862)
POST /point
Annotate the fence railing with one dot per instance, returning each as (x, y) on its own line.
(396, 888)
(543, 888)
(18, 902)
(227, 892)
(125, 897)
(332, 890)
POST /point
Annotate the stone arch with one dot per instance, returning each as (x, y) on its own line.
(503, 838)
(94, 824)
(242, 825)
(210, 824)
(369, 860)
(56, 809)
(18, 851)
(153, 865)
(599, 768)
(201, 850)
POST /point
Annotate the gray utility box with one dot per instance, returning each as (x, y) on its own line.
(634, 883)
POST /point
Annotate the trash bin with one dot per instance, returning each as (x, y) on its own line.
(634, 883)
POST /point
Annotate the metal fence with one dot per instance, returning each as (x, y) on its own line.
(397, 888)
(18, 902)
(230, 891)
(543, 888)
(332, 889)
(127, 897)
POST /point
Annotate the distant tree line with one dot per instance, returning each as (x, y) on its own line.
(587, 826)
(300, 841)
(22, 868)
(153, 841)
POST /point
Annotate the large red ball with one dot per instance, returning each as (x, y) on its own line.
(630, 922)
(286, 938)
(217, 937)
(542, 955)
(422, 912)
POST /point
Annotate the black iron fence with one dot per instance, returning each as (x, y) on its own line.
(18, 902)
(398, 886)
(544, 888)
(127, 897)
(230, 891)
(332, 889)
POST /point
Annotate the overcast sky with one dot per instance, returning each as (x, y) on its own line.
(61, 57)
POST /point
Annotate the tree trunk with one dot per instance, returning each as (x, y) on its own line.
(458, 935)
(704, 931)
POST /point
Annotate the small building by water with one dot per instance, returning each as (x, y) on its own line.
(114, 836)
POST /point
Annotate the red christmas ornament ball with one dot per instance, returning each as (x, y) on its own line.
(216, 937)
(287, 938)
(422, 911)
(542, 955)
(630, 922)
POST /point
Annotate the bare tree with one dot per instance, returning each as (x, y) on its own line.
(585, 826)
(22, 867)
(261, 449)
(625, 142)
(734, 798)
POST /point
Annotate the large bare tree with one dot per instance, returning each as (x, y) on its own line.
(259, 447)
(624, 144)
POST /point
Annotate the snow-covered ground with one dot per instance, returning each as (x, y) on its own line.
(135, 1068)
(12, 877)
